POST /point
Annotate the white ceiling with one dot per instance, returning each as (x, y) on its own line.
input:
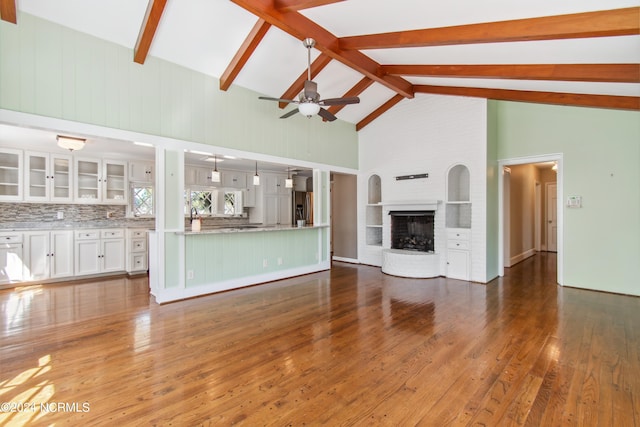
(204, 35)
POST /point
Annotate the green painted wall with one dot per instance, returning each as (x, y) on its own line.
(492, 192)
(227, 256)
(53, 71)
(601, 151)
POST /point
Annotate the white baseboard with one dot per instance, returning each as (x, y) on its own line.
(349, 260)
(521, 257)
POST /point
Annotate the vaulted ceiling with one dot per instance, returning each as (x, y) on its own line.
(574, 52)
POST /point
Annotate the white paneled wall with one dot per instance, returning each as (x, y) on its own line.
(428, 134)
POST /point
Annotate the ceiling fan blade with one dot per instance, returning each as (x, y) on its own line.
(310, 90)
(267, 98)
(326, 115)
(289, 114)
(340, 101)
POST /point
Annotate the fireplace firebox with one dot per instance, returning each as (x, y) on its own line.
(412, 230)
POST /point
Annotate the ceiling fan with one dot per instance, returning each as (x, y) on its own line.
(309, 102)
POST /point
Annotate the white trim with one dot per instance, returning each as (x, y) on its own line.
(521, 257)
(557, 157)
(174, 294)
(349, 260)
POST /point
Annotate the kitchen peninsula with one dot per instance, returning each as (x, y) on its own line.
(185, 263)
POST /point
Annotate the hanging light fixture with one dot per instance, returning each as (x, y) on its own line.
(215, 175)
(288, 183)
(256, 177)
(70, 143)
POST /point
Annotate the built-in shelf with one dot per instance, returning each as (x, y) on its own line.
(374, 212)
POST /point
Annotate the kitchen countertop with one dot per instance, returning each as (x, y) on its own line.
(246, 229)
(27, 226)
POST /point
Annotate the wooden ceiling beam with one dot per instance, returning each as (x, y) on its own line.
(378, 112)
(606, 23)
(617, 73)
(243, 54)
(292, 5)
(8, 11)
(152, 17)
(301, 27)
(360, 87)
(557, 98)
(297, 86)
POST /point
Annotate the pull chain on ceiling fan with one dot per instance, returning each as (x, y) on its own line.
(309, 102)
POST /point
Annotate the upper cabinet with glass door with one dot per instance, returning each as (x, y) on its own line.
(48, 177)
(100, 181)
(10, 174)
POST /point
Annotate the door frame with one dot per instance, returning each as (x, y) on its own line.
(546, 217)
(558, 158)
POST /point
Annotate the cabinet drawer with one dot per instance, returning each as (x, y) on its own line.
(88, 235)
(11, 238)
(116, 233)
(138, 262)
(138, 234)
(458, 244)
(458, 234)
(138, 245)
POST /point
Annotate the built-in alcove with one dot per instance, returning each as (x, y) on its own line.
(374, 211)
(458, 207)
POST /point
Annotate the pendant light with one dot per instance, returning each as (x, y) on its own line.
(256, 177)
(215, 175)
(288, 183)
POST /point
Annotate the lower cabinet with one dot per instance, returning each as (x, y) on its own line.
(137, 250)
(99, 251)
(10, 257)
(48, 254)
(459, 254)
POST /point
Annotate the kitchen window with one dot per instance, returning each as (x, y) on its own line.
(142, 200)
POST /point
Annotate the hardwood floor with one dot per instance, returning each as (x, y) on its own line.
(347, 347)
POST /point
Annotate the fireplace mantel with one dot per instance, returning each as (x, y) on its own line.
(423, 205)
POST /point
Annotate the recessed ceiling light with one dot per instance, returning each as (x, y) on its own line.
(230, 157)
(212, 159)
(204, 153)
(142, 144)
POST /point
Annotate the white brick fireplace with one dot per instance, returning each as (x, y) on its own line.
(411, 263)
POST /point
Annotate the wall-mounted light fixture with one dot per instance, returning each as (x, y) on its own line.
(70, 143)
(288, 183)
(256, 177)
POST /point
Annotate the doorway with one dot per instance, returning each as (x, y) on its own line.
(530, 217)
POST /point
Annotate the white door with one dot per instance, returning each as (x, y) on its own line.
(87, 257)
(113, 255)
(61, 245)
(36, 255)
(552, 217)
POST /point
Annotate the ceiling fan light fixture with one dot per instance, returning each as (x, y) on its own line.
(70, 143)
(308, 109)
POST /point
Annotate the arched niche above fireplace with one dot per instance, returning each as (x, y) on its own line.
(374, 211)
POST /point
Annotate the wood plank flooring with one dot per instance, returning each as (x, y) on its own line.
(350, 346)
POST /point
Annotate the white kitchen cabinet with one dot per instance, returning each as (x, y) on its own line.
(100, 181)
(275, 184)
(249, 196)
(48, 177)
(99, 251)
(48, 254)
(141, 171)
(137, 252)
(459, 254)
(11, 259)
(233, 179)
(277, 210)
(198, 176)
(11, 179)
